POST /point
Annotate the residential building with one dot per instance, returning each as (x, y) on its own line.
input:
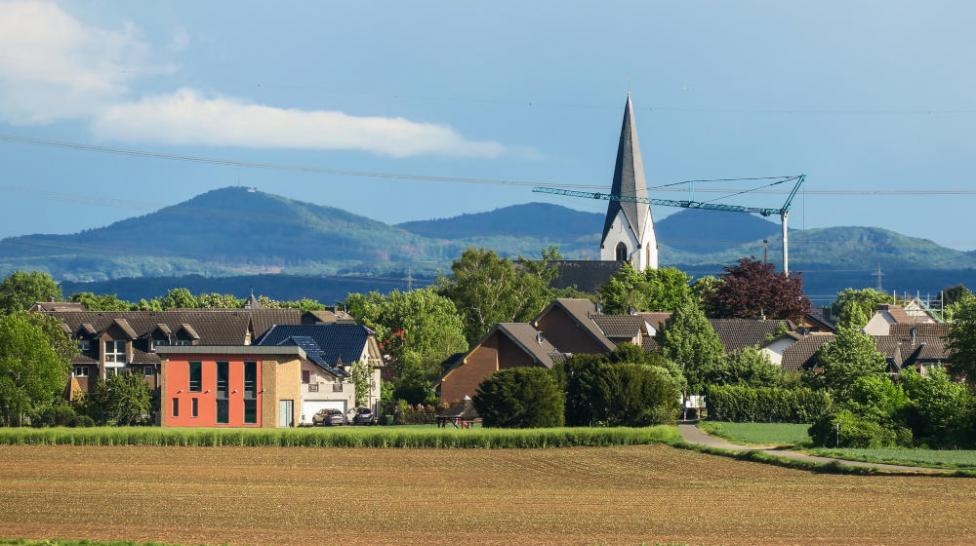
(331, 351)
(230, 386)
(887, 315)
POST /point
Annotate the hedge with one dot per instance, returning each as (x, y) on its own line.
(372, 437)
(740, 403)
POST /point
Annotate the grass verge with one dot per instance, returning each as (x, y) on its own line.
(378, 437)
(948, 459)
(765, 434)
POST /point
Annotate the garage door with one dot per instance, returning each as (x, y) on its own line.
(311, 407)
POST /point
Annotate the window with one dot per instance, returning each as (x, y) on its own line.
(305, 376)
(84, 345)
(337, 387)
(621, 252)
(250, 412)
(182, 342)
(176, 407)
(313, 387)
(81, 371)
(115, 351)
(223, 370)
(110, 372)
(250, 379)
(194, 407)
(147, 371)
(196, 377)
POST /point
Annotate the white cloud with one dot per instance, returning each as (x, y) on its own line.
(187, 118)
(54, 67)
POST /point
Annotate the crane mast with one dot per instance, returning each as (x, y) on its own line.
(783, 211)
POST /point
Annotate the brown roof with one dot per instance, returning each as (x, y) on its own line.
(737, 334)
(124, 325)
(48, 306)
(926, 346)
(582, 312)
(618, 326)
(799, 355)
(656, 318)
(530, 340)
(897, 313)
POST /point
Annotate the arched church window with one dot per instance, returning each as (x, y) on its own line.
(621, 252)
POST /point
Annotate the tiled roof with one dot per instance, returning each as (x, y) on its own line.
(619, 326)
(530, 339)
(337, 343)
(585, 275)
(49, 306)
(656, 318)
(582, 311)
(799, 355)
(737, 334)
(816, 316)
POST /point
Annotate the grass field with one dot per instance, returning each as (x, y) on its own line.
(612, 495)
(767, 434)
(934, 458)
(401, 437)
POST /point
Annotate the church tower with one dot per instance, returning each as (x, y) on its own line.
(628, 232)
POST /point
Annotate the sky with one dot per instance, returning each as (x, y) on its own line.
(867, 95)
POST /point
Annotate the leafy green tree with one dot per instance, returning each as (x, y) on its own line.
(638, 395)
(123, 399)
(851, 354)
(581, 378)
(955, 293)
(941, 410)
(866, 300)
(101, 302)
(32, 372)
(488, 289)
(214, 300)
(362, 379)
(148, 305)
(748, 366)
(704, 291)
(179, 298)
(520, 398)
(21, 289)
(653, 290)
(418, 329)
(878, 398)
(962, 340)
(688, 339)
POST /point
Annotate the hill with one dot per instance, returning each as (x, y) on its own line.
(237, 231)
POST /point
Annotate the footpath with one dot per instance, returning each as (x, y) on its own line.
(694, 435)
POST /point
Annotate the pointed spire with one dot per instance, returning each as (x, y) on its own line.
(628, 177)
(252, 302)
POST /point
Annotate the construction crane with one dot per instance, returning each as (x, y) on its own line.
(691, 203)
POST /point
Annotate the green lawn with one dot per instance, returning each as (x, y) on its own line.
(962, 459)
(767, 434)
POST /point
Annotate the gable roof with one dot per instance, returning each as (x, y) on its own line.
(619, 326)
(530, 340)
(333, 344)
(656, 318)
(737, 334)
(628, 178)
(582, 312)
(799, 355)
(585, 275)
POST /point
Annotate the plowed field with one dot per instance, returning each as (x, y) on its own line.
(377, 496)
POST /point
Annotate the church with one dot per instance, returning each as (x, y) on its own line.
(628, 230)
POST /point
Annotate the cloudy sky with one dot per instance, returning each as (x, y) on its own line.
(856, 94)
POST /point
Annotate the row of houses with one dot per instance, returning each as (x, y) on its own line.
(571, 326)
(248, 367)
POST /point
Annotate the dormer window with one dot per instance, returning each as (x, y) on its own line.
(115, 351)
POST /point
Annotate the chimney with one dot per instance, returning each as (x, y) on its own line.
(538, 338)
(914, 336)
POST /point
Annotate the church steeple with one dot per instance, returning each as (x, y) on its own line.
(628, 231)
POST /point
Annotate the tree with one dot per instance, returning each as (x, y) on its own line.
(21, 289)
(178, 298)
(101, 302)
(32, 373)
(749, 366)
(520, 398)
(214, 300)
(704, 291)
(688, 339)
(962, 340)
(418, 329)
(954, 293)
(362, 379)
(752, 289)
(851, 354)
(653, 290)
(122, 399)
(865, 299)
(941, 410)
(488, 289)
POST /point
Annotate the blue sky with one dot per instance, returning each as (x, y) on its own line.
(857, 95)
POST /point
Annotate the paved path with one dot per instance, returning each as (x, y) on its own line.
(694, 435)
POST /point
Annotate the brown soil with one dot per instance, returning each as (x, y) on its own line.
(629, 495)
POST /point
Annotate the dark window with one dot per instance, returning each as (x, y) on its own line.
(621, 252)
(222, 413)
(148, 370)
(194, 407)
(176, 407)
(313, 387)
(337, 387)
(305, 376)
(222, 374)
(250, 411)
(250, 379)
(196, 377)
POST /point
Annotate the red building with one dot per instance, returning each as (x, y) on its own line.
(230, 386)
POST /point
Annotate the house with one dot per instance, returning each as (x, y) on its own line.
(575, 325)
(330, 350)
(887, 315)
(737, 334)
(507, 345)
(229, 385)
(801, 355)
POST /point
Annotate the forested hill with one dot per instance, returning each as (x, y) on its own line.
(237, 231)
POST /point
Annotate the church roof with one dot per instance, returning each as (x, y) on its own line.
(628, 178)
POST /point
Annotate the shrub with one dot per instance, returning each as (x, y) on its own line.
(877, 398)
(520, 398)
(740, 403)
(940, 411)
(82, 421)
(637, 395)
(54, 415)
(746, 367)
(845, 429)
(419, 414)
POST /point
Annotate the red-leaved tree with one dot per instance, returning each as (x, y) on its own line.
(752, 289)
